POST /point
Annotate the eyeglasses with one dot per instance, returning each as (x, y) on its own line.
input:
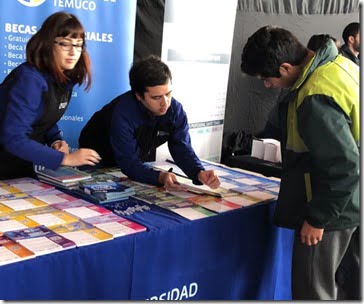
(67, 46)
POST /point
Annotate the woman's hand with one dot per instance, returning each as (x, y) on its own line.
(81, 157)
(61, 146)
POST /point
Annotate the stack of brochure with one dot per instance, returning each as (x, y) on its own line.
(82, 233)
(64, 177)
(40, 240)
(104, 188)
(12, 251)
(115, 225)
(267, 149)
(9, 187)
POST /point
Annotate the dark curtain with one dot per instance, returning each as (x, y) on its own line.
(149, 28)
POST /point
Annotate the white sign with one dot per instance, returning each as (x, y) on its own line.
(197, 41)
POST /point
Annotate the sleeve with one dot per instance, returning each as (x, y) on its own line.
(25, 105)
(53, 134)
(126, 151)
(325, 130)
(180, 147)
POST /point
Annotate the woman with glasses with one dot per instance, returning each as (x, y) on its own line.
(35, 95)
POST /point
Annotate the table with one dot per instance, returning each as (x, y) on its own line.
(237, 255)
(254, 164)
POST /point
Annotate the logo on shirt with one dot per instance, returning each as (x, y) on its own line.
(31, 3)
(63, 105)
(162, 133)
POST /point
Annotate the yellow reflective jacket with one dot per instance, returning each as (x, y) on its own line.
(320, 145)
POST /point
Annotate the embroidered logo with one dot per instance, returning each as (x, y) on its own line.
(63, 105)
(31, 3)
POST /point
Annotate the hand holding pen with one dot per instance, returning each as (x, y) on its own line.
(169, 180)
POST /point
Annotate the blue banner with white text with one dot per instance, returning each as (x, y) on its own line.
(109, 26)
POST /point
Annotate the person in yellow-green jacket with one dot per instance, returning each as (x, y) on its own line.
(319, 194)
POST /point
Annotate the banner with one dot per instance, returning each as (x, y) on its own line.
(197, 41)
(109, 26)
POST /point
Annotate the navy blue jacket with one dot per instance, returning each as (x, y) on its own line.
(30, 106)
(128, 131)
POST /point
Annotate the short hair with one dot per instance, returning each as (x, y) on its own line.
(268, 48)
(39, 49)
(317, 41)
(351, 29)
(148, 72)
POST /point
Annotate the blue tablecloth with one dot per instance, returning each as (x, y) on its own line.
(237, 255)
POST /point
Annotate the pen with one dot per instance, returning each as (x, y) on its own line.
(175, 182)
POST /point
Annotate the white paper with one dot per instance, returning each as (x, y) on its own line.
(189, 213)
(11, 225)
(81, 237)
(115, 228)
(18, 204)
(51, 199)
(257, 149)
(40, 245)
(82, 212)
(3, 191)
(46, 219)
(28, 187)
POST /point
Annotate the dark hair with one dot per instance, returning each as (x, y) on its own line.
(148, 72)
(39, 50)
(316, 41)
(268, 48)
(350, 30)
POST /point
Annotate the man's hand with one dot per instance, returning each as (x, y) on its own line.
(169, 181)
(209, 178)
(311, 235)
